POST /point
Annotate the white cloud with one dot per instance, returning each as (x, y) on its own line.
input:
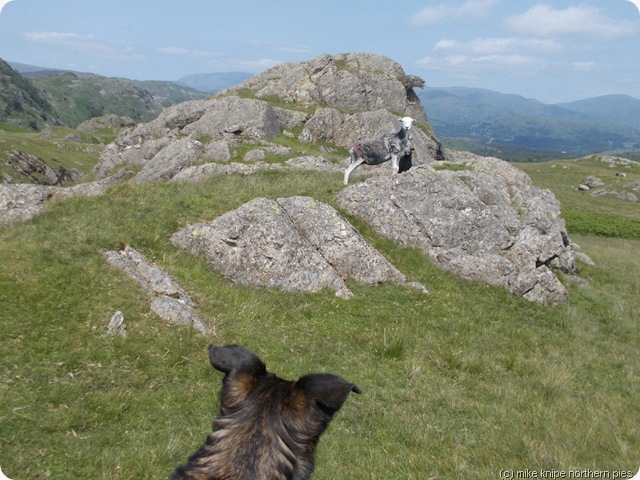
(489, 54)
(468, 63)
(499, 45)
(436, 13)
(85, 44)
(183, 52)
(544, 21)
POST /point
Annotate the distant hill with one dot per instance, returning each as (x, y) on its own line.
(518, 128)
(21, 102)
(169, 93)
(213, 82)
(73, 97)
(611, 109)
(76, 99)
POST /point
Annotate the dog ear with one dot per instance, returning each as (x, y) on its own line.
(328, 390)
(235, 358)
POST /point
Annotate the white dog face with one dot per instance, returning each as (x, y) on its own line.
(406, 122)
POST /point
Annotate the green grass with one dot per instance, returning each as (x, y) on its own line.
(602, 215)
(60, 147)
(460, 383)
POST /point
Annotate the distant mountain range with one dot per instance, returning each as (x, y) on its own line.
(520, 129)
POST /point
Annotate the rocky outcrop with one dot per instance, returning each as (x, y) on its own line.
(592, 185)
(167, 299)
(329, 125)
(295, 244)
(172, 141)
(22, 201)
(486, 222)
(355, 81)
(29, 167)
(106, 121)
(373, 88)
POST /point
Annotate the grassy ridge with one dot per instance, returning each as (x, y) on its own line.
(458, 384)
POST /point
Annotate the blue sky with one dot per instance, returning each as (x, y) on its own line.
(551, 50)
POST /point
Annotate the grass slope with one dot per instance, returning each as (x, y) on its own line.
(592, 215)
(461, 383)
(57, 147)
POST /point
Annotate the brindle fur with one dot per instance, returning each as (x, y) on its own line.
(267, 428)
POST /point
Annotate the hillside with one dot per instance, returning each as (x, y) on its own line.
(76, 99)
(21, 102)
(621, 110)
(466, 381)
(520, 129)
(166, 94)
(73, 97)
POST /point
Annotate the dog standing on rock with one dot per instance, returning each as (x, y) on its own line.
(267, 428)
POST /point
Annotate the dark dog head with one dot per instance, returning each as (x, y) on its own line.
(267, 427)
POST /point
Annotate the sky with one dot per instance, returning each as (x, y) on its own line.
(550, 50)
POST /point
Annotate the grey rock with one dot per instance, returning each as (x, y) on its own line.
(371, 85)
(20, 202)
(172, 310)
(593, 182)
(257, 245)
(23, 201)
(329, 125)
(635, 186)
(167, 299)
(584, 258)
(37, 171)
(290, 118)
(487, 223)
(628, 196)
(598, 193)
(217, 151)
(228, 119)
(338, 242)
(295, 244)
(170, 160)
(251, 119)
(356, 81)
(255, 155)
(153, 280)
(200, 172)
(313, 163)
(116, 326)
(105, 121)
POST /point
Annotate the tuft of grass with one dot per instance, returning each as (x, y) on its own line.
(454, 167)
(460, 383)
